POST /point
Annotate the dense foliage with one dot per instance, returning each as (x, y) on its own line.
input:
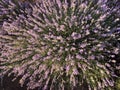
(60, 44)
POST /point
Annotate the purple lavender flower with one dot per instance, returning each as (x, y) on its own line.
(59, 44)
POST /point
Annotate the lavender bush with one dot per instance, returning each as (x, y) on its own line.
(60, 44)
